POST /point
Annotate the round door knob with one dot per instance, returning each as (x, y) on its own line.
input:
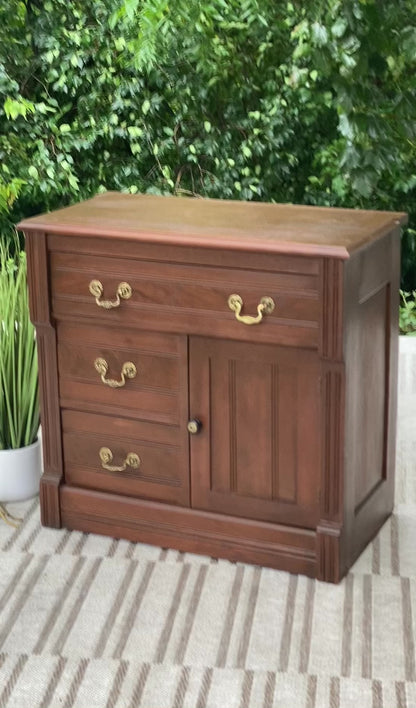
(194, 426)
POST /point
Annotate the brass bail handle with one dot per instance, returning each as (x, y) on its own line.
(106, 456)
(265, 307)
(8, 518)
(96, 289)
(128, 369)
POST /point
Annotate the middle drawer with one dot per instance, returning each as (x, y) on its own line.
(122, 372)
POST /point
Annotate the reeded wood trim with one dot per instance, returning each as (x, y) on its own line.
(51, 421)
(332, 309)
(232, 384)
(274, 407)
(37, 277)
(38, 284)
(333, 395)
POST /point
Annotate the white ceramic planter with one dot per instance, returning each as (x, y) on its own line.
(20, 472)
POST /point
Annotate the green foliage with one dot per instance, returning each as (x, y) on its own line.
(19, 404)
(273, 100)
(407, 319)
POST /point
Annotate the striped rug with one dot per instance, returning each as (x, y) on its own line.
(90, 622)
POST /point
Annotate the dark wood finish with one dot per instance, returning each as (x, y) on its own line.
(258, 453)
(371, 355)
(183, 298)
(208, 223)
(329, 531)
(48, 379)
(331, 563)
(332, 303)
(141, 250)
(162, 449)
(289, 548)
(155, 393)
(293, 466)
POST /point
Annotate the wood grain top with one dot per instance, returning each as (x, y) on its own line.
(213, 223)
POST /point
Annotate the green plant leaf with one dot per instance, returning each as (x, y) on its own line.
(19, 404)
(145, 106)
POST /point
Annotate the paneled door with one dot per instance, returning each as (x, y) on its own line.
(255, 430)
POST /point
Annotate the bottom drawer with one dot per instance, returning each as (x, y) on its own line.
(127, 457)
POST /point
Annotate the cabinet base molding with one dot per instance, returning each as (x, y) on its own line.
(190, 530)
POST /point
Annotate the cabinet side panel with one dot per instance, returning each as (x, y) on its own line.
(371, 366)
(38, 282)
(370, 347)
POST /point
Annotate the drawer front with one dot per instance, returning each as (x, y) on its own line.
(122, 372)
(189, 298)
(116, 455)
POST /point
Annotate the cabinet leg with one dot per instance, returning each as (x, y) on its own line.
(330, 563)
(49, 501)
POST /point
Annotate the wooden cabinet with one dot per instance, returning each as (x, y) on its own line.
(218, 377)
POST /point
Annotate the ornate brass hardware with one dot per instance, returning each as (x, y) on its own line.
(132, 460)
(128, 369)
(265, 307)
(124, 291)
(194, 426)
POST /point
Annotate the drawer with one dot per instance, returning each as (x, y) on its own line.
(189, 298)
(122, 372)
(159, 473)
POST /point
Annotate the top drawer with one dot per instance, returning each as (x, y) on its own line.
(188, 298)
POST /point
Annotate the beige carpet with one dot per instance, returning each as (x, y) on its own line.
(88, 622)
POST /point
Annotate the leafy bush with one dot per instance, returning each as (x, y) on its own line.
(407, 318)
(275, 101)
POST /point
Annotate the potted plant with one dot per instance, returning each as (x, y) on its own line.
(20, 457)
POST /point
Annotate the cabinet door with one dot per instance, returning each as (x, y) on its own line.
(257, 452)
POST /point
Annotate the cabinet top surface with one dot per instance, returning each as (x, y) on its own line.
(272, 228)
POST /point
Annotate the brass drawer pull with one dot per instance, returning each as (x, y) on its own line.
(128, 370)
(265, 307)
(132, 460)
(123, 291)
